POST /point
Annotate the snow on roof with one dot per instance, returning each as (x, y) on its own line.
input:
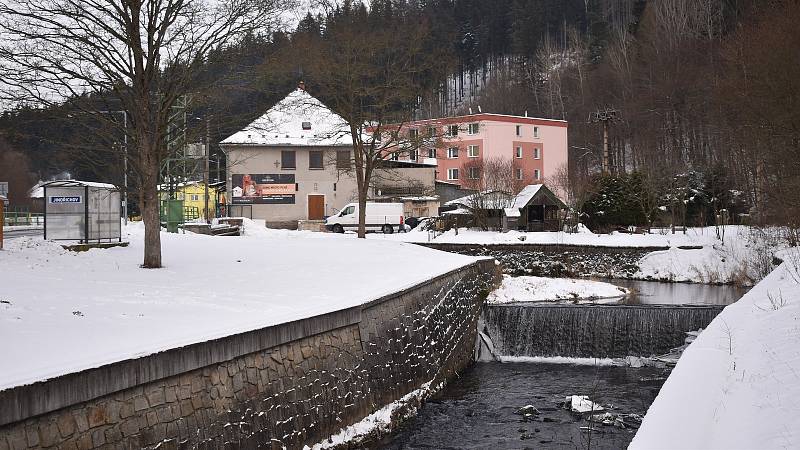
(459, 211)
(299, 119)
(525, 195)
(37, 191)
(486, 199)
(424, 198)
(511, 212)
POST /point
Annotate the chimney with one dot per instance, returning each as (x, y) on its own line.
(301, 85)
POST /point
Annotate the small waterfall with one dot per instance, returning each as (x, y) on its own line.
(607, 331)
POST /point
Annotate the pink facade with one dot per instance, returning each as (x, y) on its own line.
(537, 147)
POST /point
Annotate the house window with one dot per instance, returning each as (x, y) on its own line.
(474, 173)
(431, 153)
(537, 153)
(413, 133)
(343, 159)
(412, 155)
(452, 152)
(394, 156)
(452, 130)
(518, 152)
(288, 159)
(452, 174)
(306, 125)
(519, 130)
(473, 128)
(195, 197)
(537, 174)
(519, 174)
(536, 132)
(472, 151)
(315, 159)
(431, 131)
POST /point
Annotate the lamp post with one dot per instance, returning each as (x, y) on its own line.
(125, 161)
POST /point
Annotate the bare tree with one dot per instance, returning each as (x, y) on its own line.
(136, 56)
(372, 72)
(495, 185)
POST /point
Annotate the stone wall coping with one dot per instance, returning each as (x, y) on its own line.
(22, 402)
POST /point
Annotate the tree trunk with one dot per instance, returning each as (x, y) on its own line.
(150, 211)
(362, 213)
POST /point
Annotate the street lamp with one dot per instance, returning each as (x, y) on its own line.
(125, 161)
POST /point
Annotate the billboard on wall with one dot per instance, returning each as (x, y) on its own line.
(261, 188)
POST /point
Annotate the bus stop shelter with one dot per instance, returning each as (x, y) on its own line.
(82, 211)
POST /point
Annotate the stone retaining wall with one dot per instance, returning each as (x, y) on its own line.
(557, 260)
(284, 386)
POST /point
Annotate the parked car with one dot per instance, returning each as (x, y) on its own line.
(384, 217)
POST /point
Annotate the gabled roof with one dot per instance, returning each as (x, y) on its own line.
(283, 125)
(530, 191)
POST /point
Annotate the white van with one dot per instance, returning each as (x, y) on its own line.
(385, 217)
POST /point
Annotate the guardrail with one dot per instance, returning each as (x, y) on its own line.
(13, 218)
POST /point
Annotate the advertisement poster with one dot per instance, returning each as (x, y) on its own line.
(272, 189)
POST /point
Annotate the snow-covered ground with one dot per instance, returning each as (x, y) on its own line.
(737, 385)
(693, 237)
(743, 257)
(62, 312)
(539, 289)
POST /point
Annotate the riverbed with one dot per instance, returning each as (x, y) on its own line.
(478, 410)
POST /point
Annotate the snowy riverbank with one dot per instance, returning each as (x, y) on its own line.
(62, 312)
(541, 289)
(737, 385)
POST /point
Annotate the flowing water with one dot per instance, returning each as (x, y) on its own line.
(478, 410)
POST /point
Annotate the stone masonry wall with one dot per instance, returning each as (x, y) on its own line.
(288, 395)
(557, 260)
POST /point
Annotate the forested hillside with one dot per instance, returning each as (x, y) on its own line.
(706, 91)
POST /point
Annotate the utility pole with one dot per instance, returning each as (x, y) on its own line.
(604, 116)
(205, 172)
(124, 161)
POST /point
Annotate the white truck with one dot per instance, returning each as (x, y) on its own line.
(384, 217)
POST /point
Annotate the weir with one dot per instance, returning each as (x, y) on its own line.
(606, 331)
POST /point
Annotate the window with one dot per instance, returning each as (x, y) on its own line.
(452, 174)
(519, 174)
(315, 160)
(537, 153)
(472, 151)
(347, 211)
(519, 130)
(473, 128)
(394, 156)
(195, 197)
(431, 131)
(288, 159)
(474, 173)
(452, 130)
(306, 125)
(518, 152)
(343, 159)
(452, 152)
(413, 133)
(536, 132)
(536, 174)
(412, 155)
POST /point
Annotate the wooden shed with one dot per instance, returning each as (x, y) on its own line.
(538, 207)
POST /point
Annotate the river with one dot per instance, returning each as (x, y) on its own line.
(478, 409)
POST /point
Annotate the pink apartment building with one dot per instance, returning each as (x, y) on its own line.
(537, 147)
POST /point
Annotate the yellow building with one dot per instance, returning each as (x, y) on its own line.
(193, 195)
